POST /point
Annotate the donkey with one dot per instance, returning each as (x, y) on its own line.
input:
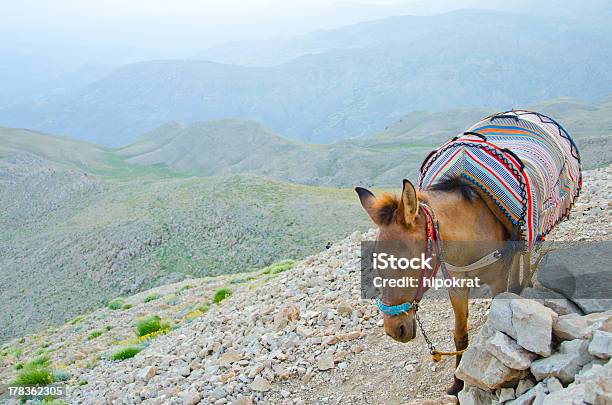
(461, 216)
(510, 177)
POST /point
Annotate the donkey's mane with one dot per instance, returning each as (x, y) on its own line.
(457, 184)
(386, 206)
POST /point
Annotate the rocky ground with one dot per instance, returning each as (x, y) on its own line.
(300, 336)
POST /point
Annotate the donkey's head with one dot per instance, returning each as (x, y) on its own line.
(401, 226)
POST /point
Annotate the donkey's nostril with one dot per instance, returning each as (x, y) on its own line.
(401, 331)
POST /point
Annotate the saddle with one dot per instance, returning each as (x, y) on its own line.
(524, 165)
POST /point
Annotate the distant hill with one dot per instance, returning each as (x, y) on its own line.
(237, 146)
(360, 79)
(78, 229)
(453, 24)
(383, 159)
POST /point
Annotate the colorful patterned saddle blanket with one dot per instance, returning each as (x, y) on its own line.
(524, 165)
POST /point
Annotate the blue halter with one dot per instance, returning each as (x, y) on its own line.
(393, 310)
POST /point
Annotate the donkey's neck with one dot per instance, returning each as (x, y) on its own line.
(465, 220)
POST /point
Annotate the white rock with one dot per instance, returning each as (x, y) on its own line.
(571, 326)
(190, 397)
(229, 357)
(506, 394)
(601, 345)
(260, 384)
(509, 352)
(571, 395)
(325, 362)
(344, 308)
(524, 385)
(527, 321)
(146, 373)
(573, 354)
(553, 384)
(538, 392)
(243, 401)
(471, 395)
(480, 368)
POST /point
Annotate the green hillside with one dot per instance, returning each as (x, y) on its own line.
(75, 234)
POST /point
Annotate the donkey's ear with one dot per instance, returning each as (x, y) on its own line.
(410, 203)
(367, 201)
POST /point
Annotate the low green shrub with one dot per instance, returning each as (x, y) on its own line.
(221, 294)
(38, 361)
(76, 320)
(151, 297)
(11, 350)
(150, 324)
(18, 366)
(279, 267)
(34, 376)
(115, 304)
(53, 402)
(127, 306)
(125, 353)
(203, 307)
(94, 334)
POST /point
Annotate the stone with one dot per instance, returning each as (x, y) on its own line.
(527, 321)
(350, 336)
(506, 394)
(553, 384)
(537, 393)
(229, 357)
(260, 384)
(330, 340)
(571, 326)
(190, 397)
(524, 385)
(471, 395)
(581, 273)
(286, 314)
(565, 364)
(552, 300)
(146, 373)
(478, 367)
(570, 395)
(509, 352)
(243, 401)
(325, 362)
(601, 345)
(218, 393)
(344, 308)
(184, 371)
(445, 400)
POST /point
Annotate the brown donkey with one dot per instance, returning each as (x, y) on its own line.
(511, 177)
(461, 216)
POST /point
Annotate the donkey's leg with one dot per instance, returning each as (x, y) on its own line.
(514, 278)
(459, 300)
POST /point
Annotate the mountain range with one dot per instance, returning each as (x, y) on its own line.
(347, 82)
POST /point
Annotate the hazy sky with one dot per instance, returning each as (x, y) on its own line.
(175, 28)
